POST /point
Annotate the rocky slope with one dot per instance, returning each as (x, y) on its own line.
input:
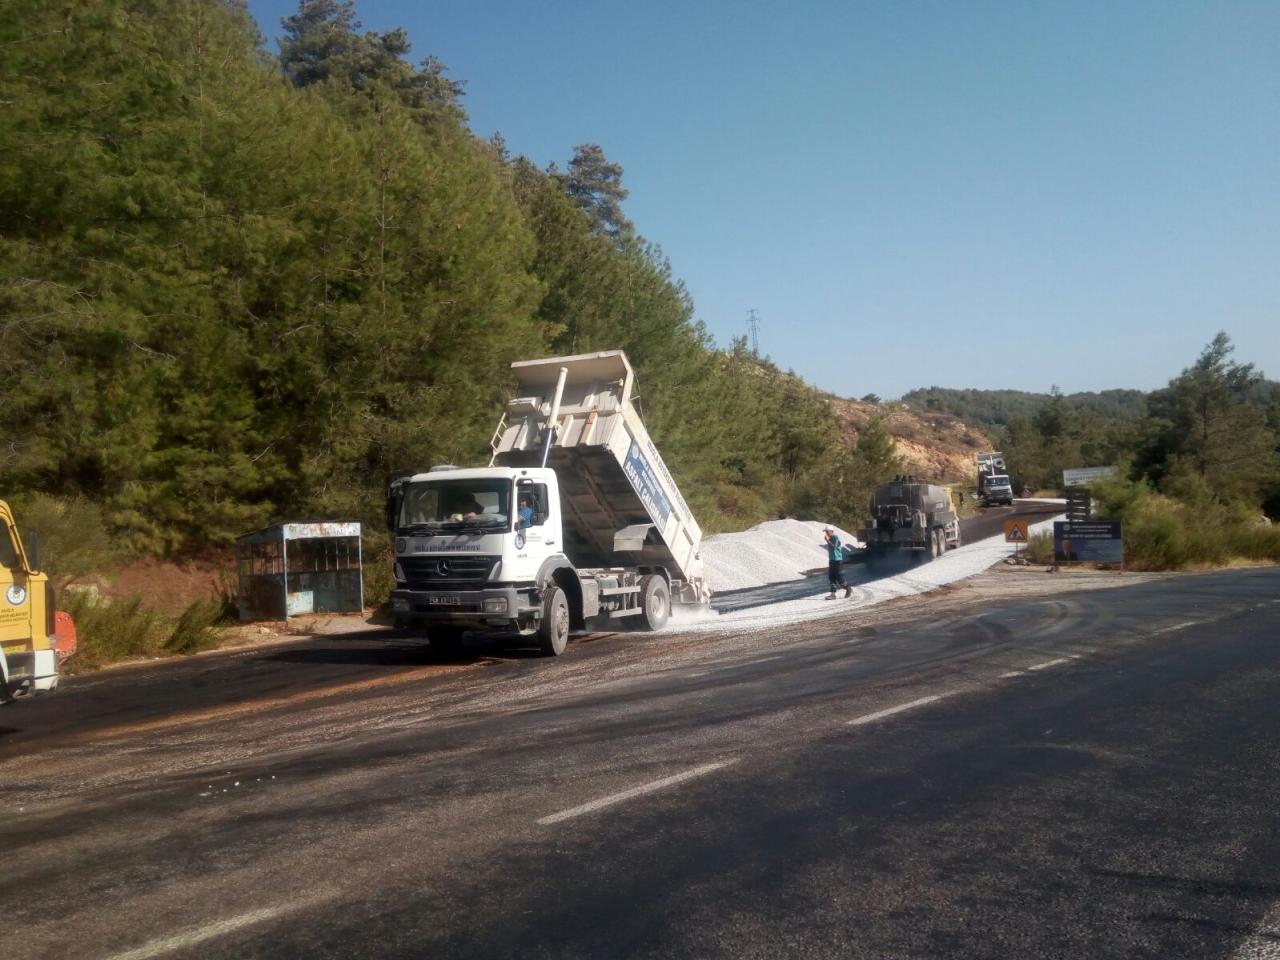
(935, 446)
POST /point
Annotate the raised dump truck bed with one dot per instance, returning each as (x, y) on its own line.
(621, 505)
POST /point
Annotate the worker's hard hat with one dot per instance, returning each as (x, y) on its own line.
(827, 530)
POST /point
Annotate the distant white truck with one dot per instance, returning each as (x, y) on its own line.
(575, 519)
(994, 485)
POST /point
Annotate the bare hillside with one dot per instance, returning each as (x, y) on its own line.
(936, 446)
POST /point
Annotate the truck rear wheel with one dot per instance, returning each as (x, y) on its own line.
(655, 601)
(553, 628)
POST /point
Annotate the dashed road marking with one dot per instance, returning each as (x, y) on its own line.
(189, 938)
(889, 712)
(1038, 666)
(1177, 626)
(634, 792)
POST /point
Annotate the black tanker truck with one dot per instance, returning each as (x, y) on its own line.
(910, 521)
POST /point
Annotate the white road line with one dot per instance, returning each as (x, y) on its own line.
(1039, 666)
(639, 791)
(1177, 626)
(881, 714)
(180, 941)
(1264, 942)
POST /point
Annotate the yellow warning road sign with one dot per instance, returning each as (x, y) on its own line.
(1015, 531)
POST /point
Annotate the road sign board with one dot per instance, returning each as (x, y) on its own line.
(1091, 542)
(1016, 531)
(1082, 476)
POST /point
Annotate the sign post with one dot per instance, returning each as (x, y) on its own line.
(1017, 532)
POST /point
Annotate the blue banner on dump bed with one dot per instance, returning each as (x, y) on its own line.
(1087, 542)
(646, 485)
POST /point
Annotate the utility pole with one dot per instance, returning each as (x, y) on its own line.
(753, 328)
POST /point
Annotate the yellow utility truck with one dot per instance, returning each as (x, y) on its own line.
(29, 626)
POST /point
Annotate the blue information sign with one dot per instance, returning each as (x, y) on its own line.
(646, 485)
(1087, 541)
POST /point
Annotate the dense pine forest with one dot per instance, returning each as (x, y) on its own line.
(239, 287)
(996, 408)
(1210, 438)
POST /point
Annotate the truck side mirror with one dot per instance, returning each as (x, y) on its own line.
(395, 496)
(33, 551)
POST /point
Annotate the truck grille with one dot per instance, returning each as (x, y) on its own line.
(447, 573)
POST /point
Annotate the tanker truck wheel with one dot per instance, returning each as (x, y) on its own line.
(655, 601)
(553, 628)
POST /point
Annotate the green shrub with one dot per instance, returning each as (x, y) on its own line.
(112, 630)
(1039, 548)
(1162, 533)
(109, 631)
(194, 630)
(378, 578)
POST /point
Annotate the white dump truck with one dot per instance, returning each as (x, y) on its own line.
(994, 486)
(575, 519)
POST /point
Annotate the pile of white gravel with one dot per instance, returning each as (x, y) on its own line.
(771, 552)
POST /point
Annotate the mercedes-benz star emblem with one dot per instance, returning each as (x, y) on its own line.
(443, 568)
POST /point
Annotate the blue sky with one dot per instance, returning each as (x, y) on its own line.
(1012, 194)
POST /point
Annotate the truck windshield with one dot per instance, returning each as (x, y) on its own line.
(481, 503)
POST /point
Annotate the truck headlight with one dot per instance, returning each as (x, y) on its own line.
(399, 605)
(495, 605)
(401, 544)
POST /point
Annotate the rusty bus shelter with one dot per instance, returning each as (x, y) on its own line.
(295, 568)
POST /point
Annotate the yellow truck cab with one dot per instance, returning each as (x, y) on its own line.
(28, 660)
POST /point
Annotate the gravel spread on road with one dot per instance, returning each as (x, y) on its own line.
(958, 564)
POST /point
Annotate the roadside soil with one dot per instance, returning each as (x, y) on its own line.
(165, 586)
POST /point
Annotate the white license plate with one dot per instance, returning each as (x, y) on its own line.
(444, 601)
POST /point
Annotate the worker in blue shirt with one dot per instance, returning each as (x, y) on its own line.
(835, 562)
(525, 514)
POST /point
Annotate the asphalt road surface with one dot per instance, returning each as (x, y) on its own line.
(1081, 773)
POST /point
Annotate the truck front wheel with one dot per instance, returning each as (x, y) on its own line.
(553, 628)
(655, 601)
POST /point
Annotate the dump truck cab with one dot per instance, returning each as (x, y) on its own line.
(472, 545)
(28, 661)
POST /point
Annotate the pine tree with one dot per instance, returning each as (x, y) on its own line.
(594, 183)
